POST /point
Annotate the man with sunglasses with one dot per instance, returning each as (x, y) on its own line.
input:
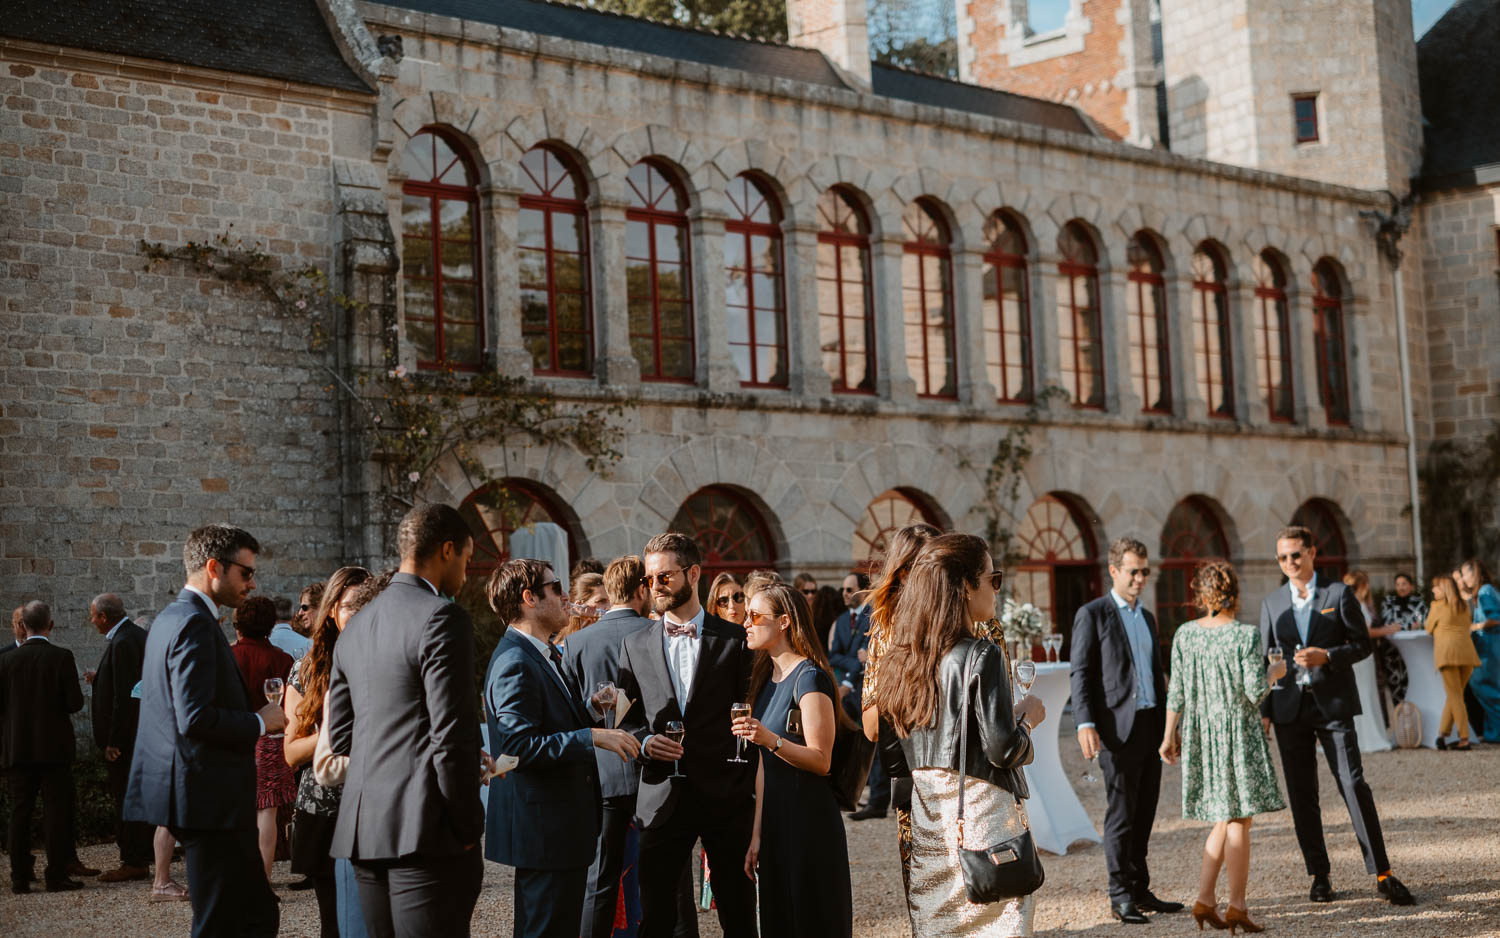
(284, 635)
(848, 650)
(1321, 628)
(688, 668)
(1119, 702)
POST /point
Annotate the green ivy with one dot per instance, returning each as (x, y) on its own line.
(1003, 477)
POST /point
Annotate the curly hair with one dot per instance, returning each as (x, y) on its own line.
(1216, 587)
(256, 617)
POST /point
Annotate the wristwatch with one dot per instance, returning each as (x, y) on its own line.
(779, 741)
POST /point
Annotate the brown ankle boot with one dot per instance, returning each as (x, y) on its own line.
(1210, 914)
(1240, 918)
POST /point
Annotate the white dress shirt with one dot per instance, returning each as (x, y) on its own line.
(682, 654)
(546, 653)
(110, 635)
(1302, 605)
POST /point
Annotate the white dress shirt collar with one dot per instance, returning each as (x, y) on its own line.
(682, 654)
(1300, 601)
(33, 638)
(110, 635)
(213, 607)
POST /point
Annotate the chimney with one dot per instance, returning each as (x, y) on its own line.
(835, 28)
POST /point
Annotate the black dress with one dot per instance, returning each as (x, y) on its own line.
(804, 859)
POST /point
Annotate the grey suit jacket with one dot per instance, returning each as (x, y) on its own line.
(593, 655)
(402, 707)
(1337, 626)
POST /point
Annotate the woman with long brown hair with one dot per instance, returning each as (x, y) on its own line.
(587, 592)
(927, 682)
(798, 842)
(726, 599)
(317, 807)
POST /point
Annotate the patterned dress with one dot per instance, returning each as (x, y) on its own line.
(1409, 612)
(1218, 682)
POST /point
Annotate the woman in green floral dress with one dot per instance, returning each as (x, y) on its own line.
(1219, 677)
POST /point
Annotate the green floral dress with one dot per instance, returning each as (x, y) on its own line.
(1218, 682)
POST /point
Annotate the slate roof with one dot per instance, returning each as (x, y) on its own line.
(285, 39)
(1458, 64)
(906, 85)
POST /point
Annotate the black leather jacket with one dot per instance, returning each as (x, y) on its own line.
(998, 746)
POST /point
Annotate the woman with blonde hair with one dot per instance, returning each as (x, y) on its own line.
(1219, 677)
(726, 599)
(1454, 656)
(587, 592)
(1370, 722)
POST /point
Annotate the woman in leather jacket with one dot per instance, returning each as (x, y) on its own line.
(922, 692)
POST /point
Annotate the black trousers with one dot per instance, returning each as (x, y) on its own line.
(1298, 742)
(227, 884)
(133, 837)
(725, 831)
(547, 902)
(417, 897)
(53, 782)
(1132, 784)
(603, 895)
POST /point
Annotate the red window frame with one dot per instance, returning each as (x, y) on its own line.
(1321, 517)
(1074, 270)
(1210, 322)
(1331, 339)
(436, 193)
(1275, 324)
(1146, 311)
(833, 240)
(524, 503)
(645, 210)
(1305, 128)
(748, 196)
(887, 513)
(542, 197)
(1191, 535)
(1049, 547)
(707, 517)
(998, 326)
(921, 247)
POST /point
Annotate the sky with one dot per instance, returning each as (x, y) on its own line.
(1048, 14)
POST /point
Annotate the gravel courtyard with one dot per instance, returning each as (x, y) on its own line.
(1441, 813)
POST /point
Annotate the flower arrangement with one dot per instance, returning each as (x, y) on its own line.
(1022, 622)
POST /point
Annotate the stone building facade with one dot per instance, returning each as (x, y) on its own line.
(833, 290)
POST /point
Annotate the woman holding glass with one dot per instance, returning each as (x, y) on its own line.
(927, 683)
(1484, 684)
(798, 843)
(1370, 722)
(726, 599)
(264, 668)
(1218, 679)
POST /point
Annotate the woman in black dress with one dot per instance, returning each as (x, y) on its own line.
(798, 844)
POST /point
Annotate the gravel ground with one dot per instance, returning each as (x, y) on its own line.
(1441, 813)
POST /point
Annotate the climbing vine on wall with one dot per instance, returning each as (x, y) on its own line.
(1003, 477)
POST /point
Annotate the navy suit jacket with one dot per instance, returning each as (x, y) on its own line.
(593, 655)
(544, 814)
(115, 713)
(1337, 625)
(851, 632)
(1103, 670)
(194, 760)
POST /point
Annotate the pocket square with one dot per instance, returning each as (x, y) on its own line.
(1326, 611)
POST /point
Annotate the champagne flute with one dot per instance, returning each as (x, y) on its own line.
(676, 732)
(1025, 675)
(1275, 656)
(1304, 673)
(274, 687)
(1088, 770)
(606, 691)
(737, 711)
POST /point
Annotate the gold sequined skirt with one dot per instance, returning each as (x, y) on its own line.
(936, 899)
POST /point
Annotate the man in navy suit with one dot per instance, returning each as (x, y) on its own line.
(543, 817)
(848, 649)
(1120, 703)
(193, 769)
(1320, 627)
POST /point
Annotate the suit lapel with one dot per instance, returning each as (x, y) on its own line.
(709, 645)
(653, 654)
(555, 681)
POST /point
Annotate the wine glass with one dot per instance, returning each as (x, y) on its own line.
(1088, 770)
(1053, 644)
(737, 711)
(676, 732)
(1025, 675)
(274, 687)
(1275, 656)
(606, 691)
(1304, 673)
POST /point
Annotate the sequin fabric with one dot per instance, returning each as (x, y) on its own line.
(936, 898)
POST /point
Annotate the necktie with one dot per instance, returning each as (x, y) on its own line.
(556, 656)
(686, 628)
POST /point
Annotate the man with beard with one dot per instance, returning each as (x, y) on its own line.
(688, 669)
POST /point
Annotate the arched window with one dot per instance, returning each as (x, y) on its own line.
(441, 251)
(755, 294)
(846, 319)
(498, 512)
(1146, 320)
(658, 273)
(891, 511)
(1328, 330)
(1007, 309)
(1273, 337)
(1212, 333)
(1079, 324)
(1191, 535)
(927, 298)
(729, 530)
(1060, 572)
(552, 244)
(1324, 519)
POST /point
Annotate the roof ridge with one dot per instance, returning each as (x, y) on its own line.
(701, 30)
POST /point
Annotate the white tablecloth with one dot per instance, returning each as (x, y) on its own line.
(1423, 686)
(1057, 816)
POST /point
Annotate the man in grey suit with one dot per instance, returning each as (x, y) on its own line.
(193, 769)
(401, 707)
(115, 715)
(1320, 627)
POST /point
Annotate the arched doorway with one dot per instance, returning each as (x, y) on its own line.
(730, 530)
(498, 511)
(1192, 534)
(1326, 521)
(891, 511)
(1060, 572)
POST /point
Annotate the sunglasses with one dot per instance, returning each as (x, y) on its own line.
(810, 592)
(554, 585)
(304, 607)
(851, 589)
(1293, 557)
(662, 579)
(1142, 572)
(756, 617)
(996, 579)
(723, 601)
(249, 571)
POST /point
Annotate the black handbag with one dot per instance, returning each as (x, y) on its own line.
(1009, 869)
(849, 765)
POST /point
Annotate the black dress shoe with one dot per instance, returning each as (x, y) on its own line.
(1148, 901)
(1321, 891)
(1394, 891)
(1128, 913)
(867, 812)
(20, 889)
(305, 882)
(64, 885)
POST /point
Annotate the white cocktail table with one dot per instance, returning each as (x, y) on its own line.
(1423, 686)
(1057, 816)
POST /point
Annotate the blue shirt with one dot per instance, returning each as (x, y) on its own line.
(1139, 634)
(285, 637)
(1302, 606)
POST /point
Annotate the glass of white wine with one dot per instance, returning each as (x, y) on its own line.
(274, 687)
(1025, 676)
(738, 711)
(676, 732)
(1275, 656)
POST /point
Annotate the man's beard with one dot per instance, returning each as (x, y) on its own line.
(675, 601)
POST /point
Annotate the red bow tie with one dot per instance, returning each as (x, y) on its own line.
(686, 628)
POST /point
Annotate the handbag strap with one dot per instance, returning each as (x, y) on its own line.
(963, 736)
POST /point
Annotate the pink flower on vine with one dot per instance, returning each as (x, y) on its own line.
(302, 304)
(414, 477)
(398, 372)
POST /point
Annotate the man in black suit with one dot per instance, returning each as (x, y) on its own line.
(38, 691)
(401, 707)
(193, 769)
(1119, 703)
(848, 649)
(114, 714)
(690, 668)
(1321, 629)
(544, 815)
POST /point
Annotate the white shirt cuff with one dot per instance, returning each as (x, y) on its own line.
(262, 724)
(1085, 726)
